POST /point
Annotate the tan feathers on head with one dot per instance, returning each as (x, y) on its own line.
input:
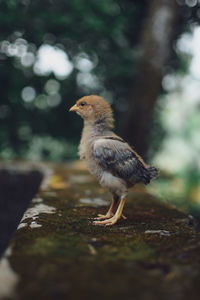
(94, 108)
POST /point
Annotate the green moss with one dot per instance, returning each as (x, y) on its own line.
(68, 257)
(66, 245)
(132, 251)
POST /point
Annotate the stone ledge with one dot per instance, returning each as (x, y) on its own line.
(57, 253)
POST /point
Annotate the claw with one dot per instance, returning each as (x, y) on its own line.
(124, 217)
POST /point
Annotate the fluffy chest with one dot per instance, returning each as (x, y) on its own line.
(86, 154)
(85, 148)
(89, 135)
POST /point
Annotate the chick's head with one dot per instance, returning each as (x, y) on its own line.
(94, 108)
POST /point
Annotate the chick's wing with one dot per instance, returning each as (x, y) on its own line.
(117, 157)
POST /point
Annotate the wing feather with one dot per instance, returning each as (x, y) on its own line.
(117, 157)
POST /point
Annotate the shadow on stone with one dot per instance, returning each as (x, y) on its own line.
(17, 188)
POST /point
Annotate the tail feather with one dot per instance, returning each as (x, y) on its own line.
(148, 173)
(153, 172)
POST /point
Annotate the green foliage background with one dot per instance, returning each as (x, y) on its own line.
(107, 34)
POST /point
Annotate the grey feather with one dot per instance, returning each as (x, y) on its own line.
(116, 156)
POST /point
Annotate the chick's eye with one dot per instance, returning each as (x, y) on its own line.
(83, 103)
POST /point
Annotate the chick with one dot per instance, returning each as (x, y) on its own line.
(108, 157)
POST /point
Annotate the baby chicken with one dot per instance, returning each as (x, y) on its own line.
(108, 157)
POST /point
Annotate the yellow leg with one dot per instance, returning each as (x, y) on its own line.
(110, 212)
(116, 217)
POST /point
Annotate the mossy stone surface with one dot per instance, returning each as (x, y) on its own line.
(154, 254)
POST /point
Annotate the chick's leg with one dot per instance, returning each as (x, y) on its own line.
(116, 217)
(111, 211)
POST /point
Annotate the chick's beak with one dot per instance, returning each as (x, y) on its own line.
(74, 108)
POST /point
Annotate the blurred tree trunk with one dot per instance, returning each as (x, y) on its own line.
(157, 37)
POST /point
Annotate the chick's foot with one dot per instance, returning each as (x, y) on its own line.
(109, 222)
(104, 217)
(107, 216)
